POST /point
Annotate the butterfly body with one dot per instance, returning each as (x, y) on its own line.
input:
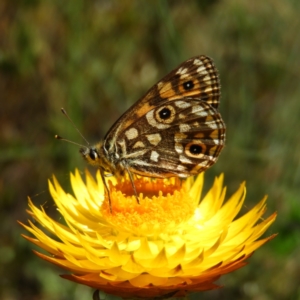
(174, 130)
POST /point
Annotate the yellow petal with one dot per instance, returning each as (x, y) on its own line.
(170, 244)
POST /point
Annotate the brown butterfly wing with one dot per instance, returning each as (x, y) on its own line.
(177, 138)
(195, 78)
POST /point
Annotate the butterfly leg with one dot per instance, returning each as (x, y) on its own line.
(106, 188)
(132, 183)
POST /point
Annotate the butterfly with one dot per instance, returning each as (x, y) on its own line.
(174, 130)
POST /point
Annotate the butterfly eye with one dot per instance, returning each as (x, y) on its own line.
(195, 149)
(188, 85)
(165, 113)
(93, 154)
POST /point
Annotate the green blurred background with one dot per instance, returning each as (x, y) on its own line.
(95, 58)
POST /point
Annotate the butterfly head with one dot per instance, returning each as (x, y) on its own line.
(93, 155)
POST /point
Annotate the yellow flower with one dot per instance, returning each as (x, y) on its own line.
(169, 244)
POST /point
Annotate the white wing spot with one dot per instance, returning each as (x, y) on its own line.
(212, 124)
(204, 163)
(199, 110)
(141, 162)
(181, 168)
(184, 127)
(182, 104)
(154, 156)
(154, 138)
(139, 144)
(198, 62)
(202, 70)
(159, 85)
(185, 160)
(183, 76)
(179, 148)
(131, 133)
(207, 79)
(167, 166)
(182, 71)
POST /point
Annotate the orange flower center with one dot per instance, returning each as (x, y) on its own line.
(162, 202)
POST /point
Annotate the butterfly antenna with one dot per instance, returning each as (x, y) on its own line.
(67, 116)
(63, 139)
